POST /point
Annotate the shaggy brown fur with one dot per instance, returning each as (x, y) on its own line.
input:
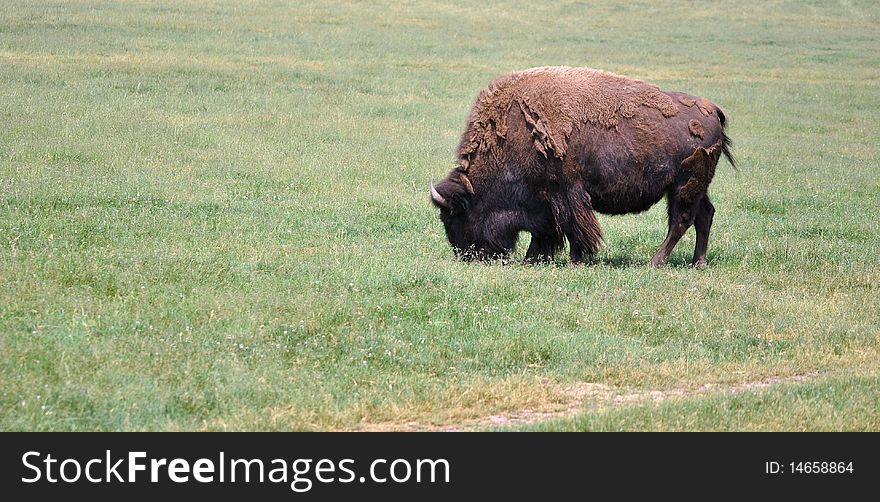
(696, 128)
(687, 101)
(555, 100)
(544, 148)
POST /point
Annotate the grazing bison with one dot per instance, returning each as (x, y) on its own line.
(546, 147)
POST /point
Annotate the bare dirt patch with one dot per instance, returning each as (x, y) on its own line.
(580, 397)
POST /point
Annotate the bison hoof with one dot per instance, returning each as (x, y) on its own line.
(699, 263)
(658, 262)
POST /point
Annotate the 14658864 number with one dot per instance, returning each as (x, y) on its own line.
(821, 467)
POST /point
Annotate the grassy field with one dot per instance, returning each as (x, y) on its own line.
(214, 216)
(843, 402)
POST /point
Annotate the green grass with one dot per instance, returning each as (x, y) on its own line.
(214, 215)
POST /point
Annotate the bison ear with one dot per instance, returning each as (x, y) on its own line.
(450, 195)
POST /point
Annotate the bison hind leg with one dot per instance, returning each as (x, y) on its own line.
(703, 224)
(689, 204)
(681, 217)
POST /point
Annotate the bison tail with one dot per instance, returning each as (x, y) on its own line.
(726, 142)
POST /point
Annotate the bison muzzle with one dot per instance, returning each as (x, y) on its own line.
(545, 148)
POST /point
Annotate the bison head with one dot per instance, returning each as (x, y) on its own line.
(479, 226)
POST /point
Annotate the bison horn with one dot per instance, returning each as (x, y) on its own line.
(436, 195)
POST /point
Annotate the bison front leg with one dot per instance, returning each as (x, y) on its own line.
(541, 249)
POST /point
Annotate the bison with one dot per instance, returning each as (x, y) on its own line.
(545, 147)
